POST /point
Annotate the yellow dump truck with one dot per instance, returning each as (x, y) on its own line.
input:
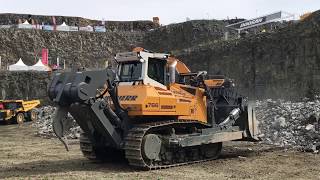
(18, 110)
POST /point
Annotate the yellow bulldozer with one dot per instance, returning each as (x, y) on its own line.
(152, 111)
(18, 110)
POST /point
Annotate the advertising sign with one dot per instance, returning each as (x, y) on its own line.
(255, 22)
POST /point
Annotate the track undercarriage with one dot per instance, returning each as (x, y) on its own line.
(150, 146)
(162, 144)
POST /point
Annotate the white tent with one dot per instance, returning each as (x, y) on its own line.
(25, 25)
(63, 27)
(39, 66)
(19, 66)
(26, 22)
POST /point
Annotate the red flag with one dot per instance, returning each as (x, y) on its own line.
(45, 53)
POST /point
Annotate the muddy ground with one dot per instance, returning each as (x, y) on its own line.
(24, 156)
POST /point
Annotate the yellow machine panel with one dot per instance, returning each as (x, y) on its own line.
(183, 102)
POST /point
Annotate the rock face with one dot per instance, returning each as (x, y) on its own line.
(24, 85)
(184, 35)
(89, 49)
(283, 64)
(290, 124)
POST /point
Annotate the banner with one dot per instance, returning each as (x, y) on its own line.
(255, 22)
(45, 53)
(73, 28)
(100, 29)
(48, 28)
(5, 26)
(87, 28)
(24, 26)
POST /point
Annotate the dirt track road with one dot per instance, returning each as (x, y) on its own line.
(23, 156)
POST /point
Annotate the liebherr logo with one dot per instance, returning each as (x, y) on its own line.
(252, 22)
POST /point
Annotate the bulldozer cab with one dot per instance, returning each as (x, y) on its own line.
(148, 68)
(155, 69)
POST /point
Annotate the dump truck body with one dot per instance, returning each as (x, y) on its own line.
(18, 110)
(152, 110)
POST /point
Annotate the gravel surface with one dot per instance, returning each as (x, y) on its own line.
(24, 156)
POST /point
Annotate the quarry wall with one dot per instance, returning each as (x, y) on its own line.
(284, 64)
(11, 19)
(184, 35)
(90, 49)
(24, 85)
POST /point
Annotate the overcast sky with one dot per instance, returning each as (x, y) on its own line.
(169, 11)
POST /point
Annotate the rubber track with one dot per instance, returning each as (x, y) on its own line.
(133, 143)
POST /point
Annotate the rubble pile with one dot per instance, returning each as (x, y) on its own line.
(44, 124)
(282, 123)
(290, 124)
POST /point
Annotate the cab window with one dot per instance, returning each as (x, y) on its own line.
(156, 70)
(130, 72)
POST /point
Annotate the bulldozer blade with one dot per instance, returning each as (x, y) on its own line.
(60, 124)
(252, 122)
